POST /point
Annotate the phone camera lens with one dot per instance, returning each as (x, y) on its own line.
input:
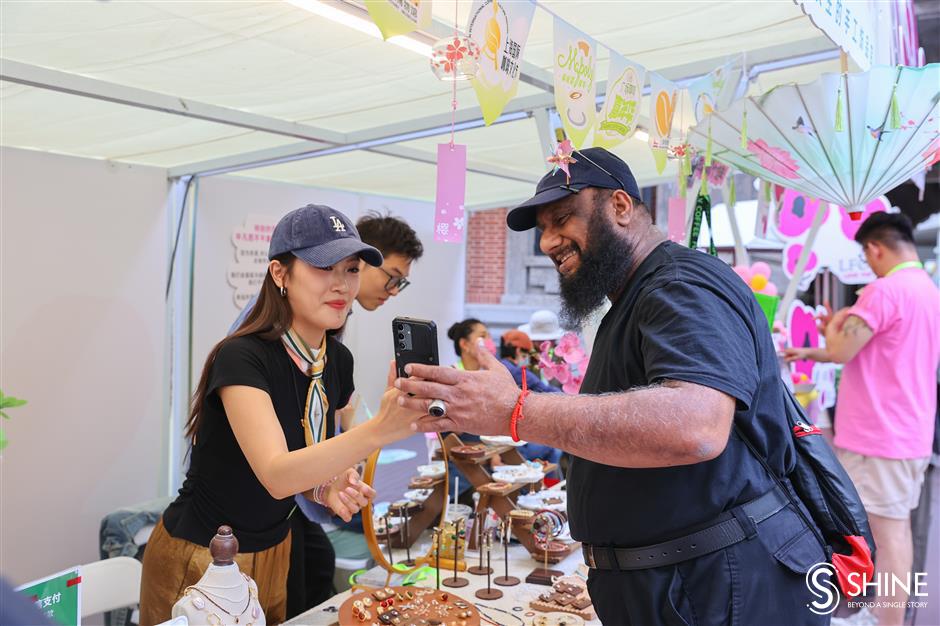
(401, 335)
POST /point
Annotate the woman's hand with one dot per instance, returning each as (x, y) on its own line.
(348, 495)
(394, 421)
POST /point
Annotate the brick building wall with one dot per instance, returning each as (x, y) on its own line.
(486, 256)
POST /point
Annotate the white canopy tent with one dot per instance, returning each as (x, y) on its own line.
(215, 87)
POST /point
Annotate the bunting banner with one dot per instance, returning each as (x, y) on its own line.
(618, 118)
(398, 17)
(500, 29)
(715, 91)
(575, 87)
(664, 99)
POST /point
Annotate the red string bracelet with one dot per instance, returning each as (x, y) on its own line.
(517, 411)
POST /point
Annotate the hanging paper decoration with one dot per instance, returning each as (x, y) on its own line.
(575, 88)
(792, 138)
(449, 220)
(455, 58)
(618, 118)
(664, 97)
(676, 219)
(398, 17)
(715, 91)
(500, 30)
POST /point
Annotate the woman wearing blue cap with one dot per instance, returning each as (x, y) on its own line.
(263, 425)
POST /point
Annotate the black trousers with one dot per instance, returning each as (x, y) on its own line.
(312, 564)
(759, 581)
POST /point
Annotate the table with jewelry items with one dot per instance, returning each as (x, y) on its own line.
(514, 608)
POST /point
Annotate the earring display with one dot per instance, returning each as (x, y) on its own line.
(407, 605)
(504, 532)
(489, 593)
(569, 595)
(458, 539)
(479, 570)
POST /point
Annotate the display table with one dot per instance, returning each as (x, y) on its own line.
(520, 564)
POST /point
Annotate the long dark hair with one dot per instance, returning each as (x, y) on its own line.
(270, 318)
(461, 330)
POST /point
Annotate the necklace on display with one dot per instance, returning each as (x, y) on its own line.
(208, 597)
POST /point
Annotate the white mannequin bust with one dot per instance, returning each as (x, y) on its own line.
(224, 595)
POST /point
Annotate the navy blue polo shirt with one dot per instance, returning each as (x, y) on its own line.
(683, 316)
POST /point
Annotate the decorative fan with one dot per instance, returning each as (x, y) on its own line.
(844, 138)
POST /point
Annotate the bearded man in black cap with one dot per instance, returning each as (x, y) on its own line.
(680, 522)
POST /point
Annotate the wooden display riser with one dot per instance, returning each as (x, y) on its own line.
(502, 502)
(427, 516)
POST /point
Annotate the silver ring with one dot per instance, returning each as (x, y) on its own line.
(437, 408)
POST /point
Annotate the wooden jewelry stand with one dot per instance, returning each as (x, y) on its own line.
(426, 516)
(502, 501)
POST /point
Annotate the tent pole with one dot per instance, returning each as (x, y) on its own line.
(790, 293)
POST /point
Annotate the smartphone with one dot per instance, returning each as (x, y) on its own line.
(415, 342)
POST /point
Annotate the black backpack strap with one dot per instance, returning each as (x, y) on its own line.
(789, 492)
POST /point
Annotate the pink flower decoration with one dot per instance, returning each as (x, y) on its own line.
(573, 386)
(776, 160)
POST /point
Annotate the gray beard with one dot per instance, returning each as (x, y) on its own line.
(604, 268)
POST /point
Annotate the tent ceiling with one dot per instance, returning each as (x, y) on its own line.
(276, 60)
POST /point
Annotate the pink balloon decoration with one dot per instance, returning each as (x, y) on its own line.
(744, 272)
(761, 269)
(769, 290)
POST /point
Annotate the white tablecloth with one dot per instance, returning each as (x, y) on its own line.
(520, 565)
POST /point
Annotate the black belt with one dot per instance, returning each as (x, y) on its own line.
(711, 539)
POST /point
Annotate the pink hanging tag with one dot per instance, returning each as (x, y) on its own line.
(676, 220)
(449, 220)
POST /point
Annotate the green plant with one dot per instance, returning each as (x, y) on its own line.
(7, 402)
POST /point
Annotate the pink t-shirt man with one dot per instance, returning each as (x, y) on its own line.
(888, 394)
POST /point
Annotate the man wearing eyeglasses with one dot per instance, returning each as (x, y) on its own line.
(679, 522)
(313, 560)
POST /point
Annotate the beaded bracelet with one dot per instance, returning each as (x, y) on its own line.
(319, 492)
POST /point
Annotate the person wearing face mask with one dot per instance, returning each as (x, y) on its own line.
(262, 421)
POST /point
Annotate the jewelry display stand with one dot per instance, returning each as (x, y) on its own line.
(502, 501)
(224, 595)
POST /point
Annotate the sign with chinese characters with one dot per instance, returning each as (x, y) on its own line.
(247, 271)
(500, 29)
(835, 246)
(802, 332)
(664, 98)
(850, 24)
(398, 17)
(621, 110)
(58, 597)
(449, 219)
(575, 87)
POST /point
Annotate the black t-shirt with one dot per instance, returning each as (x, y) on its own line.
(220, 487)
(684, 316)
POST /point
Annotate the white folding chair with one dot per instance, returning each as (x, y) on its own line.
(110, 584)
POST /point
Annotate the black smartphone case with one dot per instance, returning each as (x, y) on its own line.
(415, 342)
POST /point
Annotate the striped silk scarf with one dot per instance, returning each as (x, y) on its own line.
(311, 362)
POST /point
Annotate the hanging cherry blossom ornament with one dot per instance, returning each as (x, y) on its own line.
(455, 58)
(562, 159)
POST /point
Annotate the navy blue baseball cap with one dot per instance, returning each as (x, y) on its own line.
(593, 167)
(320, 236)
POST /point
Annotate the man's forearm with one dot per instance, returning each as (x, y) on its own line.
(659, 426)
